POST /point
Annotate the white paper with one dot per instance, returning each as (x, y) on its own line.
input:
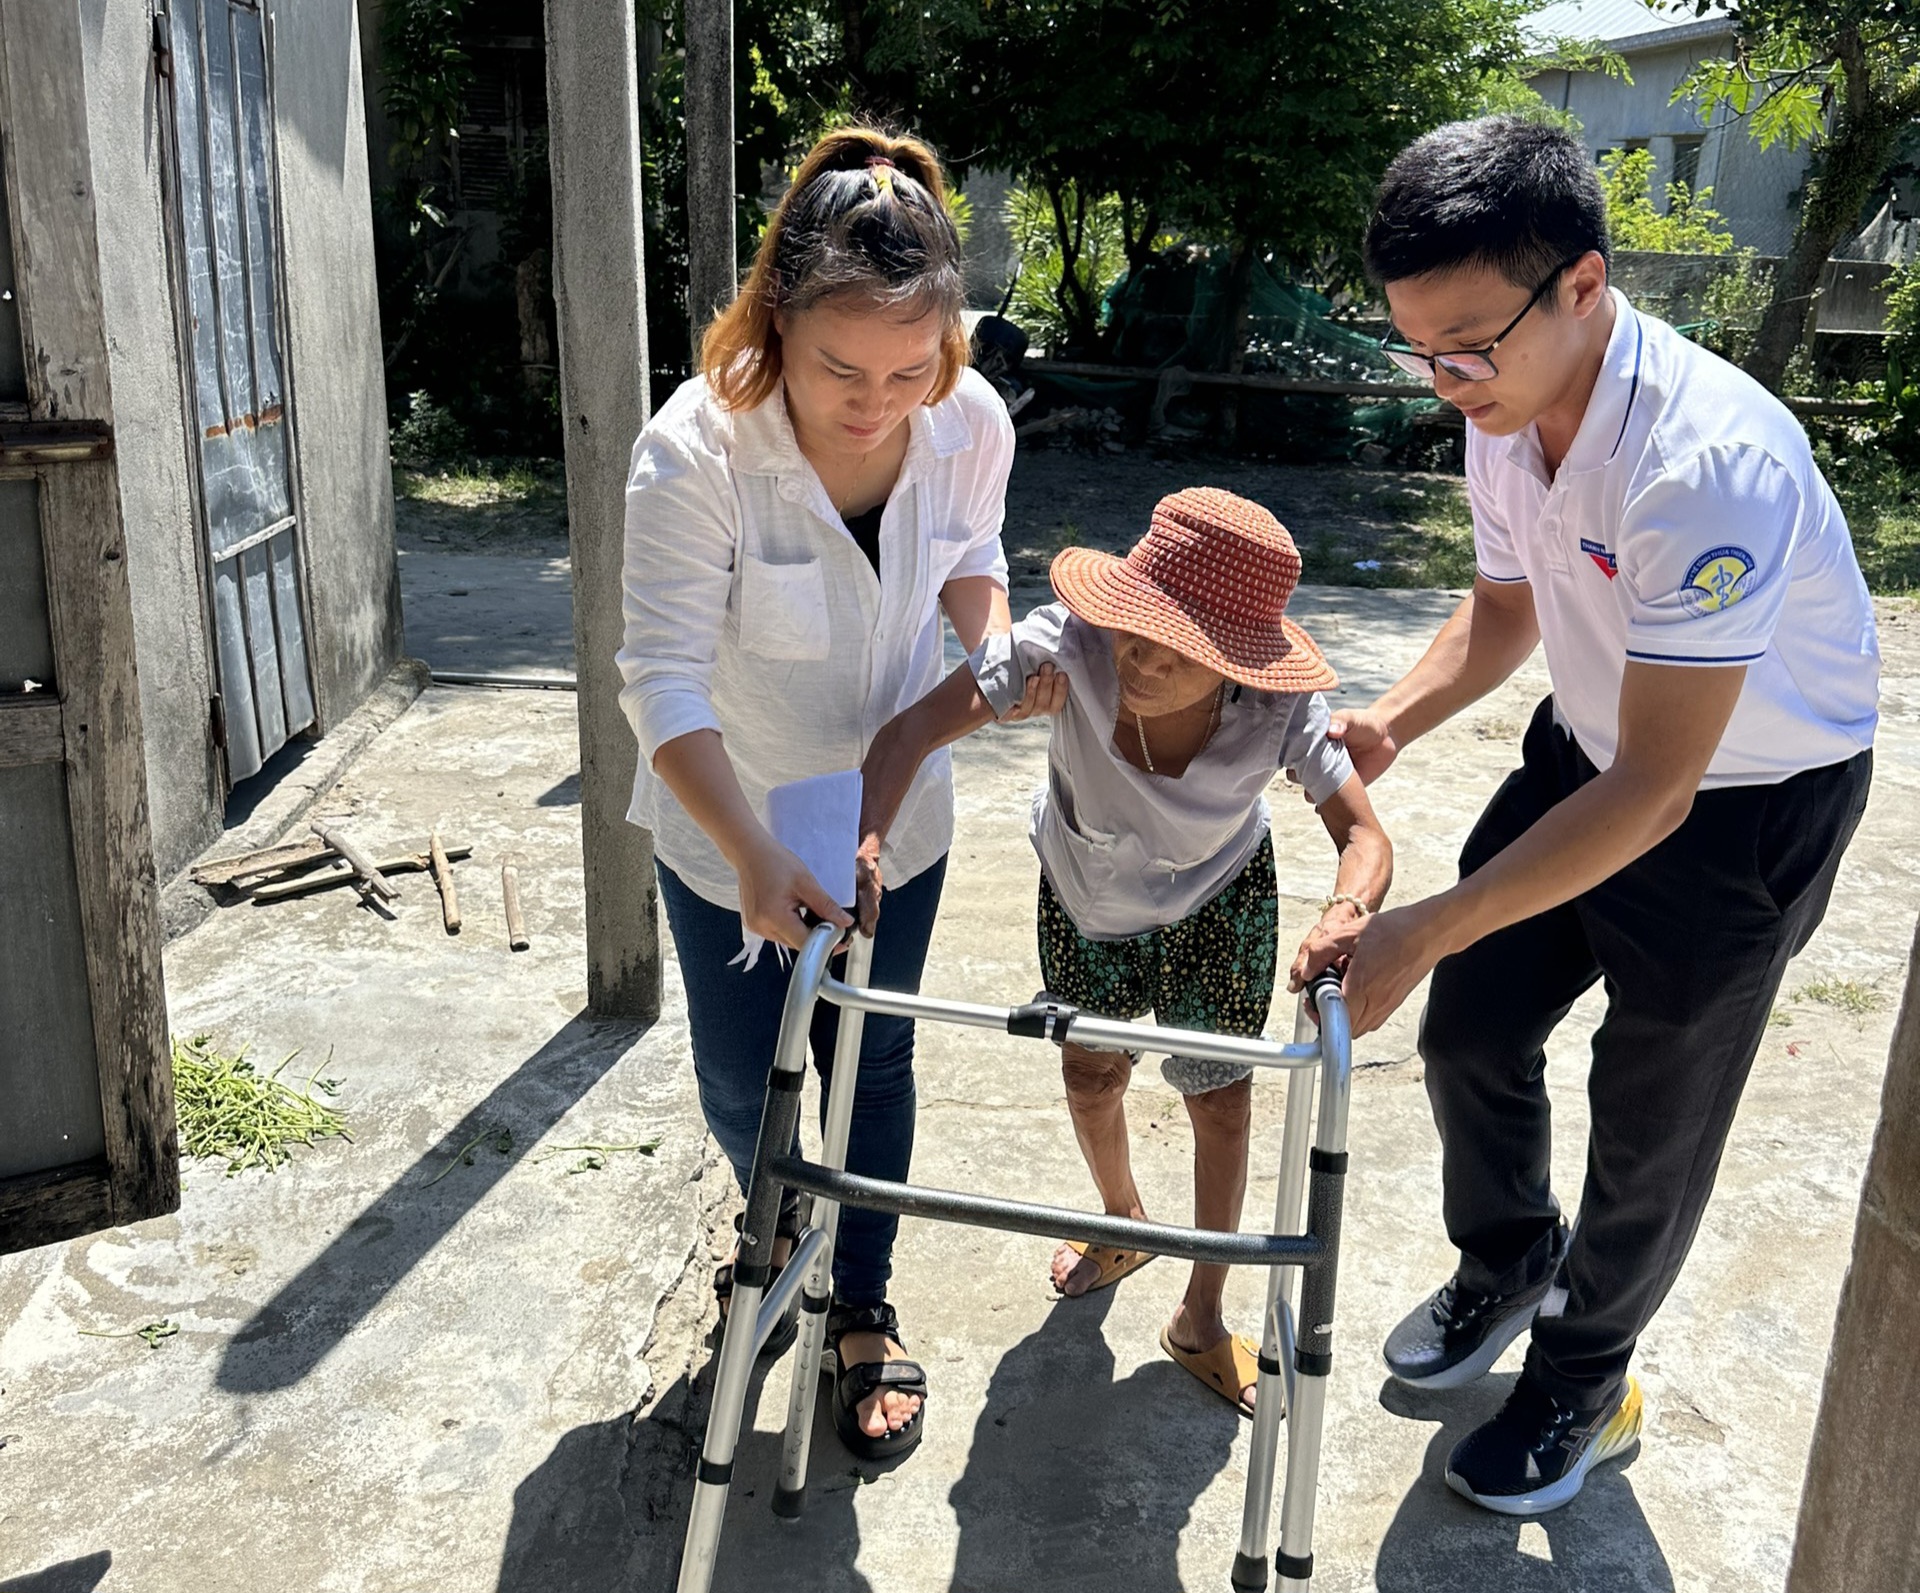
(818, 820)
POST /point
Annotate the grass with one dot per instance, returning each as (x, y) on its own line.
(1843, 995)
(227, 1110)
(1416, 534)
(481, 483)
(1434, 545)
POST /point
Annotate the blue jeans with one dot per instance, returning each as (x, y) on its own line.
(735, 1019)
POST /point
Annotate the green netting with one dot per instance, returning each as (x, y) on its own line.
(1176, 311)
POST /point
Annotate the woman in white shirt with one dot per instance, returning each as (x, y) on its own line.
(798, 517)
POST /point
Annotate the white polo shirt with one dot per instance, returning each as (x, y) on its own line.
(1687, 525)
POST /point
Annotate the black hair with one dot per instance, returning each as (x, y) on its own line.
(1518, 195)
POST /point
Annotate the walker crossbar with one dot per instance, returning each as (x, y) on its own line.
(1293, 1364)
(1060, 1021)
(1052, 1222)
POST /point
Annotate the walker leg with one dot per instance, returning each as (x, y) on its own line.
(790, 1496)
(778, 1120)
(1274, 1396)
(1313, 1361)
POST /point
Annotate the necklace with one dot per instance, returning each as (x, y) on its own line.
(1213, 724)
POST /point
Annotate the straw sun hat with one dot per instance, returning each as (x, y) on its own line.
(1210, 579)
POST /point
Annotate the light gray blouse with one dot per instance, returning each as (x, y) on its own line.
(1126, 851)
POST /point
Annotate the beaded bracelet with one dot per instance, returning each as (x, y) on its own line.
(1352, 901)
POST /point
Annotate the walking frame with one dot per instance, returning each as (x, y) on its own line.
(1294, 1362)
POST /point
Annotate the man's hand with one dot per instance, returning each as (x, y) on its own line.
(1046, 694)
(775, 888)
(1393, 952)
(1368, 737)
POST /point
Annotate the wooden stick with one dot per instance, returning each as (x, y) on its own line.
(363, 865)
(516, 925)
(443, 877)
(273, 860)
(343, 874)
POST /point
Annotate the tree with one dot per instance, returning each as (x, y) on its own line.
(1258, 125)
(1842, 76)
(1687, 226)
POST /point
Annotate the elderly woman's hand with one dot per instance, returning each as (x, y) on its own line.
(1328, 944)
(1046, 694)
(776, 888)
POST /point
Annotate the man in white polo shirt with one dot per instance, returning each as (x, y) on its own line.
(1655, 520)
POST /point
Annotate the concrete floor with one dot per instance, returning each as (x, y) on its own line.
(400, 1371)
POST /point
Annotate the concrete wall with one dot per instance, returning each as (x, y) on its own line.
(1756, 190)
(338, 380)
(125, 118)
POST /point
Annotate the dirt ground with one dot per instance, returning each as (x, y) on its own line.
(1342, 517)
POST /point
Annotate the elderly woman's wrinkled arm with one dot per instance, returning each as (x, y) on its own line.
(1360, 886)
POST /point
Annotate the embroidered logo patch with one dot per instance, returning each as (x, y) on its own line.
(1718, 579)
(1597, 551)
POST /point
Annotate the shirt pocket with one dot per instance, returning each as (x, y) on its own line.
(783, 610)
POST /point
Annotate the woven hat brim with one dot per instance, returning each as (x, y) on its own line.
(1109, 592)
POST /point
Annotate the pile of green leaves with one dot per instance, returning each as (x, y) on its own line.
(227, 1110)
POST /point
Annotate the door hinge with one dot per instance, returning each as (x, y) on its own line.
(217, 718)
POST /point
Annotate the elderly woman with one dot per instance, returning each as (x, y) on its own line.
(798, 517)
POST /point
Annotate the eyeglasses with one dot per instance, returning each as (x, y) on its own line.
(1463, 364)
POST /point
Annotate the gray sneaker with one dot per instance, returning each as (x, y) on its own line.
(1456, 1334)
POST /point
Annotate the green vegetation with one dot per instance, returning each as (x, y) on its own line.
(227, 1110)
(1687, 226)
(1843, 995)
(1839, 76)
(1421, 536)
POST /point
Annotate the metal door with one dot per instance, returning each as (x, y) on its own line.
(214, 52)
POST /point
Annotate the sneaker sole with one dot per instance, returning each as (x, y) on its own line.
(1619, 1435)
(1480, 1362)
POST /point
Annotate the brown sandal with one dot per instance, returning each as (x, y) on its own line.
(1229, 1367)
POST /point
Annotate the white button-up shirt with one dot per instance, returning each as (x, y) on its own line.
(751, 610)
(1687, 525)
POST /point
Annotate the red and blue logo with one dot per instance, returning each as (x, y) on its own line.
(1597, 551)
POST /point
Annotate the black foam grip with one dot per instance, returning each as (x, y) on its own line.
(1042, 1020)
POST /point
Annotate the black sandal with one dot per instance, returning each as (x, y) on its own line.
(863, 1379)
(786, 1227)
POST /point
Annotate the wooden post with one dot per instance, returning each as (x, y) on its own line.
(94, 728)
(712, 265)
(593, 119)
(1862, 1495)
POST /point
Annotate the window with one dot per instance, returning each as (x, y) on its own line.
(1686, 163)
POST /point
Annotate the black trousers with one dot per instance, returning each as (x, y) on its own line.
(1691, 941)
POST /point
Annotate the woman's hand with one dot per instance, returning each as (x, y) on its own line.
(1369, 740)
(1328, 944)
(1046, 694)
(775, 888)
(867, 883)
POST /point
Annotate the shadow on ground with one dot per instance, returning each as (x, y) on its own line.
(69, 1576)
(1066, 1459)
(1439, 1543)
(1059, 1454)
(336, 1291)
